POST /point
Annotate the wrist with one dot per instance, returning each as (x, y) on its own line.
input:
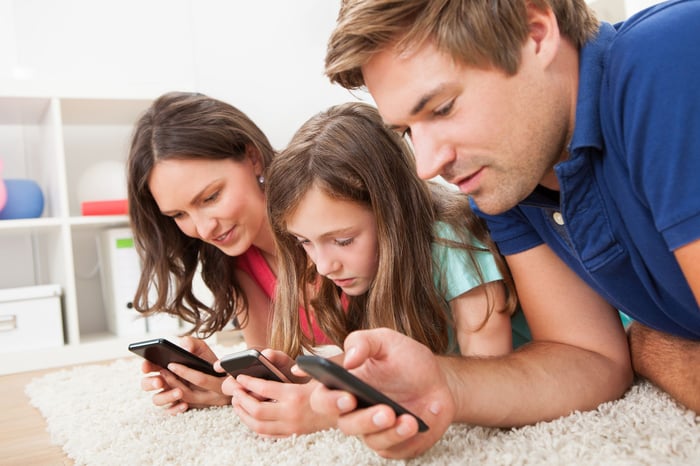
(453, 388)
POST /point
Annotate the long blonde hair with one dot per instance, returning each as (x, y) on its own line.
(350, 155)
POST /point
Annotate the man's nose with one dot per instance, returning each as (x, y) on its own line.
(431, 155)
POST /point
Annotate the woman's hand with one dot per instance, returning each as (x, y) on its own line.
(182, 388)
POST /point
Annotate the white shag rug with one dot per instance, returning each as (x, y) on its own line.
(100, 416)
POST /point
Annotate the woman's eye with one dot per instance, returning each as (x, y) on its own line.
(343, 242)
(445, 109)
(406, 134)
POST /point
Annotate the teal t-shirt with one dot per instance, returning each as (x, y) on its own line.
(454, 274)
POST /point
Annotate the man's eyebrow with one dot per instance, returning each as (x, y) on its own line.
(420, 105)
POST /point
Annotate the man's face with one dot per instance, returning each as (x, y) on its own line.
(494, 136)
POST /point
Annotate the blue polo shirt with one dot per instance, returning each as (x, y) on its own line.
(630, 191)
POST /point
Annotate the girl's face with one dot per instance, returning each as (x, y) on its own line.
(217, 201)
(340, 237)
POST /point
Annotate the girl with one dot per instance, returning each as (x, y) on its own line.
(365, 243)
(196, 173)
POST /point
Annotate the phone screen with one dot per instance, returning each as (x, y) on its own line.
(162, 352)
(337, 377)
(251, 362)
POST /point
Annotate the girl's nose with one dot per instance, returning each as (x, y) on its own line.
(325, 263)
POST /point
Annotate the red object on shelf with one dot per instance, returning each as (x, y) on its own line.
(111, 207)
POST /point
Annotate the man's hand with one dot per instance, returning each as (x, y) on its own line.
(406, 372)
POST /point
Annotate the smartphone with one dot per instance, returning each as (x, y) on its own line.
(162, 352)
(251, 362)
(337, 377)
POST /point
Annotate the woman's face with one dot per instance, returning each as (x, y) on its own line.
(217, 201)
(340, 237)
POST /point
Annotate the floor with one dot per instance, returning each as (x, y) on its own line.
(23, 436)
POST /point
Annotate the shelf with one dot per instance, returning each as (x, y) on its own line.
(29, 225)
(99, 220)
(95, 348)
(73, 148)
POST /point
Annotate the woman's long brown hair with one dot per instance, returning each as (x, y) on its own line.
(182, 125)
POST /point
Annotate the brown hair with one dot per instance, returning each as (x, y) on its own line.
(350, 155)
(182, 125)
(479, 33)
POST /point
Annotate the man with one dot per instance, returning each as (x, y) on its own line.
(580, 145)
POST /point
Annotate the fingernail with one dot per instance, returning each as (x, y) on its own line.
(435, 408)
(403, 430)
(351, 351)
(154, 383)
(344, 403)
(380, 419)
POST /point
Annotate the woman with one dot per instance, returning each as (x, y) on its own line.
(196, 175)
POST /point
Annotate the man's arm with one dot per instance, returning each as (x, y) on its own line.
(672, 362)
(688, 258)
(579, 358)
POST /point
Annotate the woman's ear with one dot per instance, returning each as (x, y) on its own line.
(255, 158)
(544, 32)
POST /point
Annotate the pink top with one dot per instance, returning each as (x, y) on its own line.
(253, 263)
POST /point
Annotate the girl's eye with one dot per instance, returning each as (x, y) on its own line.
(176, 216)
(343, 242)
(444, 110)
(406, 134)
(302, 241)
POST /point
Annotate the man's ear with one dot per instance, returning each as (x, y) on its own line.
(544, 32)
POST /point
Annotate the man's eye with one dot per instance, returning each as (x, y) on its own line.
(213, 197)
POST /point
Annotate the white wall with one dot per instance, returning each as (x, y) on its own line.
(634, 6)
(264, 56)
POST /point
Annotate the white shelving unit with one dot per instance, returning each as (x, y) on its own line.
(55, 141)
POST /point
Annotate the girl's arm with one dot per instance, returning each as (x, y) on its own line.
(469, 309)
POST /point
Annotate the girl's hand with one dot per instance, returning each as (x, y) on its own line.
(275, 409)
(183, 388)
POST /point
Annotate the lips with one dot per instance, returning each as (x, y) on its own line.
(223, 237)
(343, 282)
(469, 183)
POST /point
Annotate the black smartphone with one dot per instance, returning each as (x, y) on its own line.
(337, 377)
(162, 352)
(251, 362)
